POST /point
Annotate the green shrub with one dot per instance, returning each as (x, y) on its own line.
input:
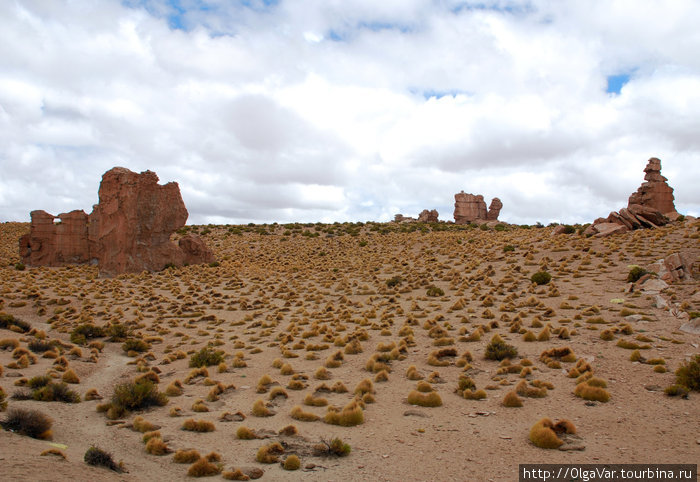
(40, 346)
(499, 227)
(568, 229)
(20, 266)
(394, 281)
(82, 333)
(676, 390)
(497, 349)
(206, 357)
(134, 344)
(39, 381)
(117, 332)
(508, 247)
(136, 395)
(55, 392)
(541, 278)
(688, 374)
(333, 447)
(435, 291)
(636, 272)
(8, 321)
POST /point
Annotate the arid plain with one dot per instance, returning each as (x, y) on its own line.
(295, 314)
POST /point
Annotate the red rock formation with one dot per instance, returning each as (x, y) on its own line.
(650, 207)
(55, 244)
(655, 193)
(470, 208)
(494, 209)
(428, 216)
(128, 231)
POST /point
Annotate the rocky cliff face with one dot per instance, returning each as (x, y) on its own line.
(128, 231)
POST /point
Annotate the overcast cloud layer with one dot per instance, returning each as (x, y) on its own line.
(328, 110)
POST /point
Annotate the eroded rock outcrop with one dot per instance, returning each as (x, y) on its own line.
(128, 231)
(470, 208)
(426, 216)
(56, 243)
(650, 206)
(494, 209)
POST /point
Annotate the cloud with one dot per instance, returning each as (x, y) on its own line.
(325, 110)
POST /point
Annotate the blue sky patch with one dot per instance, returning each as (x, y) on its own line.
(616, 82)
(437, 93)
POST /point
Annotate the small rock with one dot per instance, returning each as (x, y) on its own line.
(652, 388)
(252, 472)
(415, 413)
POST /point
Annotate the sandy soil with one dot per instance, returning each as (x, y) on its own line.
(275, 295)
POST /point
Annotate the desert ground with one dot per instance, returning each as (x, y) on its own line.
(295, 314)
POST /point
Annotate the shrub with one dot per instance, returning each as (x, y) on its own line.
(298, 413)
(394, 281)
(676, 390)
(430, 399)
(40, 346)
(55, 392)
(156, 446)
(135, 345)
(69, 376)
(292, 462)
(590, 392)
(512, 400)
(497, 349)
(289, 430)
(244, 433)
(174, 389)
(192, 425)
(31, 423)
(688, 374)
(117, 332)
(82, 333)
(98, 457)
(134, 396)
(3, 402)
(9, 321)
(435, 291)
(142, 425)
(470, 394)
(186, 456)
(636, 272)
(350, 416)
(260, 410)
(236, 474)
(542, 435)
(541, 278)
(269, 454)
(333, 447)
(206, 357)
(203, 468)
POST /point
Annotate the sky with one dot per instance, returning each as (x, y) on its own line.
(350, 110)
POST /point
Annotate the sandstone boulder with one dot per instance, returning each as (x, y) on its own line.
(428, 216)
(128, 231)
